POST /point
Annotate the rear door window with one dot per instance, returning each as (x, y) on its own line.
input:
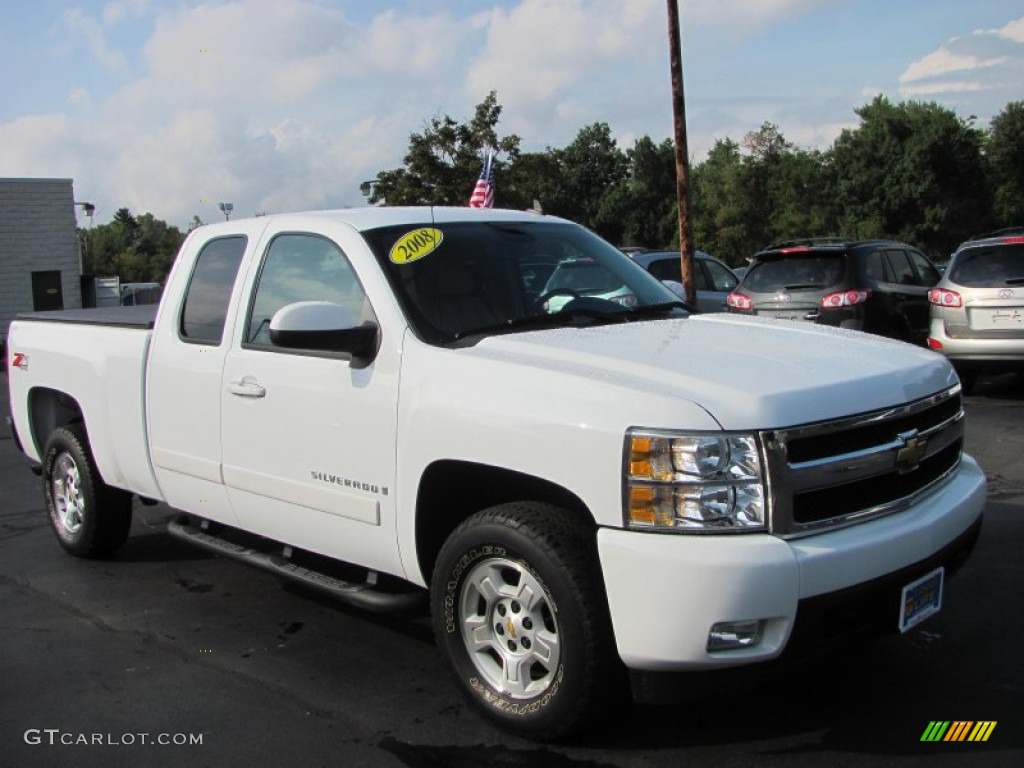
(990, 265)
(900, 267)
(927, 274)
(667, 269)
(875, 269)
(209, 290)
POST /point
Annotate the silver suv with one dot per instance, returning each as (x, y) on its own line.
(977, 309)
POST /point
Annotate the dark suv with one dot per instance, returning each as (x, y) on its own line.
(878, 286)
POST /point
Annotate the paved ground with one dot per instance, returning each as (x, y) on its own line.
(169, 643)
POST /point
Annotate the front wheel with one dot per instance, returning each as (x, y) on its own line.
(519, 613)
(90, 518)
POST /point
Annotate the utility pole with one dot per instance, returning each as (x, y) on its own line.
(682, 161)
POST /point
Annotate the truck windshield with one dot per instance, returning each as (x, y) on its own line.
(458, 280)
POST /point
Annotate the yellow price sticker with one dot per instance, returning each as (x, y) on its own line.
(414, 245)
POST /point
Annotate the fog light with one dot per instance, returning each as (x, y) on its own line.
(729, 635)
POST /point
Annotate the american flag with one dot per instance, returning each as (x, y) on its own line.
(483, 192)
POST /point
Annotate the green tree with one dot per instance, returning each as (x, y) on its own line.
(1005, 165)
(443, 162)
(135, 249)
(640, 208)
(589, 165)
(720, 205)
(912, 171)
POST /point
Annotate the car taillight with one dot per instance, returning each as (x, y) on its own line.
(943, 298)
(739, 301)
(844, 299)
(1011, 240)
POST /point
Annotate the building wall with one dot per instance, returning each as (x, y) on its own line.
(37, 234)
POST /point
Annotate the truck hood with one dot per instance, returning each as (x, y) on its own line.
(746, 372)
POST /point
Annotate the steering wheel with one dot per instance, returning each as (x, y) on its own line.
(539, 301)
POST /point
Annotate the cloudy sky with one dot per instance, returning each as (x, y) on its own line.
(171, 106)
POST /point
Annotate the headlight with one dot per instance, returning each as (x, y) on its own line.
(700, 482)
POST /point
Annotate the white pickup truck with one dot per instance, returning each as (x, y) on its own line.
(502, 412)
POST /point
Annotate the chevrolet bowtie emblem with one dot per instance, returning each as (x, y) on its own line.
(908, 458)
(511, 627)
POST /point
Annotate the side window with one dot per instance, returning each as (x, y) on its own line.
(303, 267)
(874, 267)
(667, 269)
(700, 276)
(927, 274)
(899, 264)
(721, 278)
(209, 290)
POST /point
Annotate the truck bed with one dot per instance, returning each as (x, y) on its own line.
(141, 317)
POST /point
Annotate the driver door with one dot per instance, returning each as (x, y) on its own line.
(309, 439)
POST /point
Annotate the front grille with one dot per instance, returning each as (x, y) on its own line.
(838, 473)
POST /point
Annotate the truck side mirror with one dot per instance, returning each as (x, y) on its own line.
(324, 326)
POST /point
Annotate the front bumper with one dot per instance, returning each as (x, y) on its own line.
(665, 591)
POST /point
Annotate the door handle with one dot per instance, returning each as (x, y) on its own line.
(246, 388)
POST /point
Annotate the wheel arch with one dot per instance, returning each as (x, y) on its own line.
(452, 490)
(49, 409)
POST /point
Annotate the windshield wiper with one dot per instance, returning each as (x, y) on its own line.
(570, 317)
(657, 309)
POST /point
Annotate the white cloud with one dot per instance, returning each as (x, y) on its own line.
(78, 96)
(84, 26)
(980, 72)
(1013, 31)
(944, 61)
(44, 145)
(116, 10)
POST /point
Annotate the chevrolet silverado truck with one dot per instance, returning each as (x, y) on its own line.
(409, 406)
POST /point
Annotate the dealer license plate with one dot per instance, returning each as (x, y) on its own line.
(921, 598)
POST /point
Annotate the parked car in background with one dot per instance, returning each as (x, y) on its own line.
(712, 278)
(137, 294)
(877, 286)
(977, 309)
(579, 278)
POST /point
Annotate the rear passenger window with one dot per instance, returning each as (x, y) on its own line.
(874, 267)
(667, 269)
(209, 290)
(928, 274)
(899, 265)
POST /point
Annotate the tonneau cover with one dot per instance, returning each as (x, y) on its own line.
(122, 317)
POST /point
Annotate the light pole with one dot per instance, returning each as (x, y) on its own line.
(83, 237)
(226, 209)
(682, 158)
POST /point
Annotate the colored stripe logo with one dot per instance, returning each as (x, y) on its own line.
(958, 730)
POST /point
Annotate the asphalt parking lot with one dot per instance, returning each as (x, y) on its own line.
(230, 667)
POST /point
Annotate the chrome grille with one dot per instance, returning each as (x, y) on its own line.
(838, 473)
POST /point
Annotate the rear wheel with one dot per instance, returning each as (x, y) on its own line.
(519, 613)
(90, 518)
